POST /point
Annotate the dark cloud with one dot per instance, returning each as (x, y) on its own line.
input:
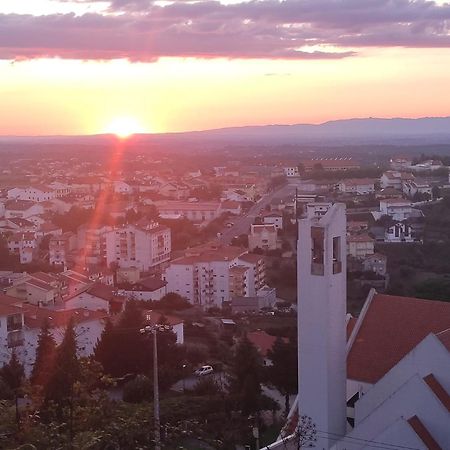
(142, 30)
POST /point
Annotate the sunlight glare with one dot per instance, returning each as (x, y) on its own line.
(124, 127)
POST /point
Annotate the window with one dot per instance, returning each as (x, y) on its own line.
(317, 251)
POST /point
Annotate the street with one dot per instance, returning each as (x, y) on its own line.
(242, 223)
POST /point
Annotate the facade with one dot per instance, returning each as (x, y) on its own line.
(36, 194)
(60, 248)
(358, 186)
(22, 209)
(197, 212)
(376, 263)
(263, 237)
(397, 209)
(395, 179)
(25, 245)
(291, 171)
(399, 232)
(92, 244)
(411, 188)
(212, 276)
(359, 246)
(321, 265)
(151, 288)
(143, 247)
(275, 219)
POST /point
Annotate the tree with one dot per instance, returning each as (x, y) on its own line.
(174, 302)
(246, 374)
(13, 372)
(45, 357)
(283, 372)
(66, 370)
(436, 192)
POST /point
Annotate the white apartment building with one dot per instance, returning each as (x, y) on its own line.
(274, 218)
(92, 244)
(24, 245)
(215, 275)
(32, 193)
(22, 209)
(143, 247)
(60, 248)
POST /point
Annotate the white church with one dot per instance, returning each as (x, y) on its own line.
(379, 381)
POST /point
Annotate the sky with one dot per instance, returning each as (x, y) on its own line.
(93, 66)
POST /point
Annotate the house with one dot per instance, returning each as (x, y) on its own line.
(397, 209)
(376, 263)
(360, 245)
(357, 186)
(399, 232)
(25, 245)
(263, 237)
(34, 290)
(411, 188)
(428, 165)
(176, 324)
(96, 297)
(273, 218)
(394, 179)
(176, 191)
(22, 209)
(120, 187)
(151, 288)
(264, 298)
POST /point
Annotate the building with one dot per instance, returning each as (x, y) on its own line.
(91, 241)
(321, 265)
(37, 289)
(357, 186)
(411, 188)
(61, 247)
(398, 209)
(25, 245)
(209, 276)
(197, 212)
(263, 237)
(22, 209)
(291, 171)
(394, 179)
(145, 246)
(36, 194)
(399, 232)
(263, 343)
(376, 263)
(151, 288)
(329, 164)
(275, 219)
(360, 245)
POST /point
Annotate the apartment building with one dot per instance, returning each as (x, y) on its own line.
(212, 276)
(60, 248)
(198, 212)
(32, 193)
(143, 246)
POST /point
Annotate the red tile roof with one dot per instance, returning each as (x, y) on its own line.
(262, 341)
(391, 328)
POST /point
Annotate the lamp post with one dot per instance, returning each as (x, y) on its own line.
(154, 329)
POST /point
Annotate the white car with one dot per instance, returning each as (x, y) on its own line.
(204, 370)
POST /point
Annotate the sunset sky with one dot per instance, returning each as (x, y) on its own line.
(88, 66)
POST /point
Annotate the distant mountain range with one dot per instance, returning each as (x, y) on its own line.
(433, 130)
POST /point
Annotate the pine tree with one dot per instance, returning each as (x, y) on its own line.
(246, 374)
(13, 372)
(283, 372)
(66, 370)
(45, 357)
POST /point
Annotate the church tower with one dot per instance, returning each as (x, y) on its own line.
(321, 275)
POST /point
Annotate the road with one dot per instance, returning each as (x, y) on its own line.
(242, 223)
(189, 382)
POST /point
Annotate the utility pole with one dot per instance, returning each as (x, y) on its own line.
(154, 329)
(156, 392)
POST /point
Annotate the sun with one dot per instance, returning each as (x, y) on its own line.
(124, 127)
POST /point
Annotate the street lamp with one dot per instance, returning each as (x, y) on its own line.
(154, 329)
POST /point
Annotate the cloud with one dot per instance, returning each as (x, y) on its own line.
(145, 30)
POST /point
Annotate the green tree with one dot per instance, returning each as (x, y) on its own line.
(45, 357)
(246, 374)
(283, 372)
(66, 371)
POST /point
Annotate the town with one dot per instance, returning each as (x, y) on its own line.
(212, 248)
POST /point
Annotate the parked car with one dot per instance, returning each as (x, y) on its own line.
(229, 224)
(204, 370)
